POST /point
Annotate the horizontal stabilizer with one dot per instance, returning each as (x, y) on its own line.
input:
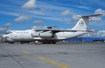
(92, 15)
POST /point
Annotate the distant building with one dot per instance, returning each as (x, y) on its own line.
(86, 39)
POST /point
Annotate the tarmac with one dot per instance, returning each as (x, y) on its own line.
(60, 55)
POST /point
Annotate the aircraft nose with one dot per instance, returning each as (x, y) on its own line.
(5, 36)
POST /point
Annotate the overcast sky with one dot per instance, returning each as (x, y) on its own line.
(27, 14)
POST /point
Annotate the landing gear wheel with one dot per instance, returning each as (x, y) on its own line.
(21, 42)
(12, 42)
(53, 42)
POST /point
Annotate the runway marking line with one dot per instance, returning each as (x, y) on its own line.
(53, 62)
(25, 52)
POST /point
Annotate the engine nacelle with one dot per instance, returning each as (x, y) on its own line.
(46, 35)
(36, 34)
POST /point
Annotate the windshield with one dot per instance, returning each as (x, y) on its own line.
(8, 32)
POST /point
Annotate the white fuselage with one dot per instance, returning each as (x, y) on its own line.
(26, 35)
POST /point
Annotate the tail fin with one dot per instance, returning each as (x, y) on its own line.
(83, 22)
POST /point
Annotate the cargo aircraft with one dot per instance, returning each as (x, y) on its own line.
(49, 35)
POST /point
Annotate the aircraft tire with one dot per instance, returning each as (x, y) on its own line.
(12, 42)
(21, 42)
(53, 42)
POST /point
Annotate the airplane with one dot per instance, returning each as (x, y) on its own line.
(49, 35)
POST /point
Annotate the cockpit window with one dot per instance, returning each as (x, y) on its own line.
(8, 32)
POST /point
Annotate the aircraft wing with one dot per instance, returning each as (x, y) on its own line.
(56, 30)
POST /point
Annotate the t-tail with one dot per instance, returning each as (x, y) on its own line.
(83, 22)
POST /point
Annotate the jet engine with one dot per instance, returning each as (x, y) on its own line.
(47, 34)
(36, 34)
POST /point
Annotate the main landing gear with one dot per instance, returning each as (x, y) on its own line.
(49, 42)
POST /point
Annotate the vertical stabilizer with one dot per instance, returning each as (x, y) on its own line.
(83, 22)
